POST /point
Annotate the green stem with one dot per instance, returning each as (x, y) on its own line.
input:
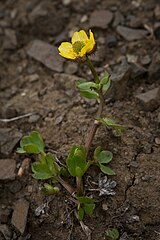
(79, 182)
(95, 124)
(91, 66)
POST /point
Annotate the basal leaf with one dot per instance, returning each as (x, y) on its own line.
(80, 214)
(105, 157)
(88, 208)
(106, 170)
(97, 152)
(104, 80)
(112, 234)
(85, 200)
(111, 123)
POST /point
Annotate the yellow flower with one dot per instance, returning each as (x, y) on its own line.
(80, 46)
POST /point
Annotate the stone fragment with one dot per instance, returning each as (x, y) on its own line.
(34, 118)
(130, 34)
(38, 11)
(149, 100)
(137, 71)
(4, 215)
(7, 169)
(11, 39)
(157, 12)
(157, 30)
(100, 18)
(119, 78)
(70, 68)
(46, 54)
(118, 19)
(99, 55)
(111, 41)
(154, 67)
(19, 217)
(33, 77)
(8, 139)
(4, 229)
(15, 186)
(157, 141)
(146, 60)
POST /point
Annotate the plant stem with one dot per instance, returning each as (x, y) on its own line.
(66, 185)
(95, 124)
(91, 66)
(79, 182)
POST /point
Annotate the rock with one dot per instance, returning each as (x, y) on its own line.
(132, 58)
(10, 40)
(70, 68)
(99, 55)
(119, 78)
(46, 54)
(33, 77)
(157, 12)
(15, 186)
(34, 118)
(100, 18)
(157, 30)
(118, 19)
(4, 229)
(157, 141)
(84, 18)
(19, 217)
(158, 118)
(130, 34)
(146, 60)
(134, 21)
(7, 169)
(8, 139)
(66, 2)
(38, 11)
(4, 215)
(111, 41)
(137, 71)
(154, 68)
(149, 100)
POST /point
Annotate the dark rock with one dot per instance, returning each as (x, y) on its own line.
(119, 78)
(99, 55)
(8, 139)
(7, 169)
(111, 41)
(19, 217)
(154, 68)
(100, 18)
(46, 54)
(130, 34)
(134, 21)
(4, 215)
(137, 71)
(157, 30)
(4, 229)
(15, 186)
(149, 100)
(38, 11)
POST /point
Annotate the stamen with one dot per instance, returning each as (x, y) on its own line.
(77, 46)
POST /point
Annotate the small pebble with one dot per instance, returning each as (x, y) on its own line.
(157, 141)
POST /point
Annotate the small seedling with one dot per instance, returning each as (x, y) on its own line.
(77, 162)
(112, 234)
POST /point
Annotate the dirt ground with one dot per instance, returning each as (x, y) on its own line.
(33, 84)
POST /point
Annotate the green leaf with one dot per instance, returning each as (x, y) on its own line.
(76, 161)
(85, 200)
(97, 152)
(104, 80)
(87, 89)
(80, 214)
(106, 170)
(49, 190)
(33, 143)
(88, 208)
(112, 234)
(104, 157)
(110, 123)
(45, 170)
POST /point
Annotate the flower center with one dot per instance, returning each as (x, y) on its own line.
(77, 46)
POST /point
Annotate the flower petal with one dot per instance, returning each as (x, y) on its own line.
(66, 50)
(91, 37)
(79, 36)
(87, 48)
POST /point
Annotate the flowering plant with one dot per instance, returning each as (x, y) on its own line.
(77, 162)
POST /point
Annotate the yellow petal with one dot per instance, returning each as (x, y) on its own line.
(66, 50)
(91, 37)
(79, 36)
(87, 48)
